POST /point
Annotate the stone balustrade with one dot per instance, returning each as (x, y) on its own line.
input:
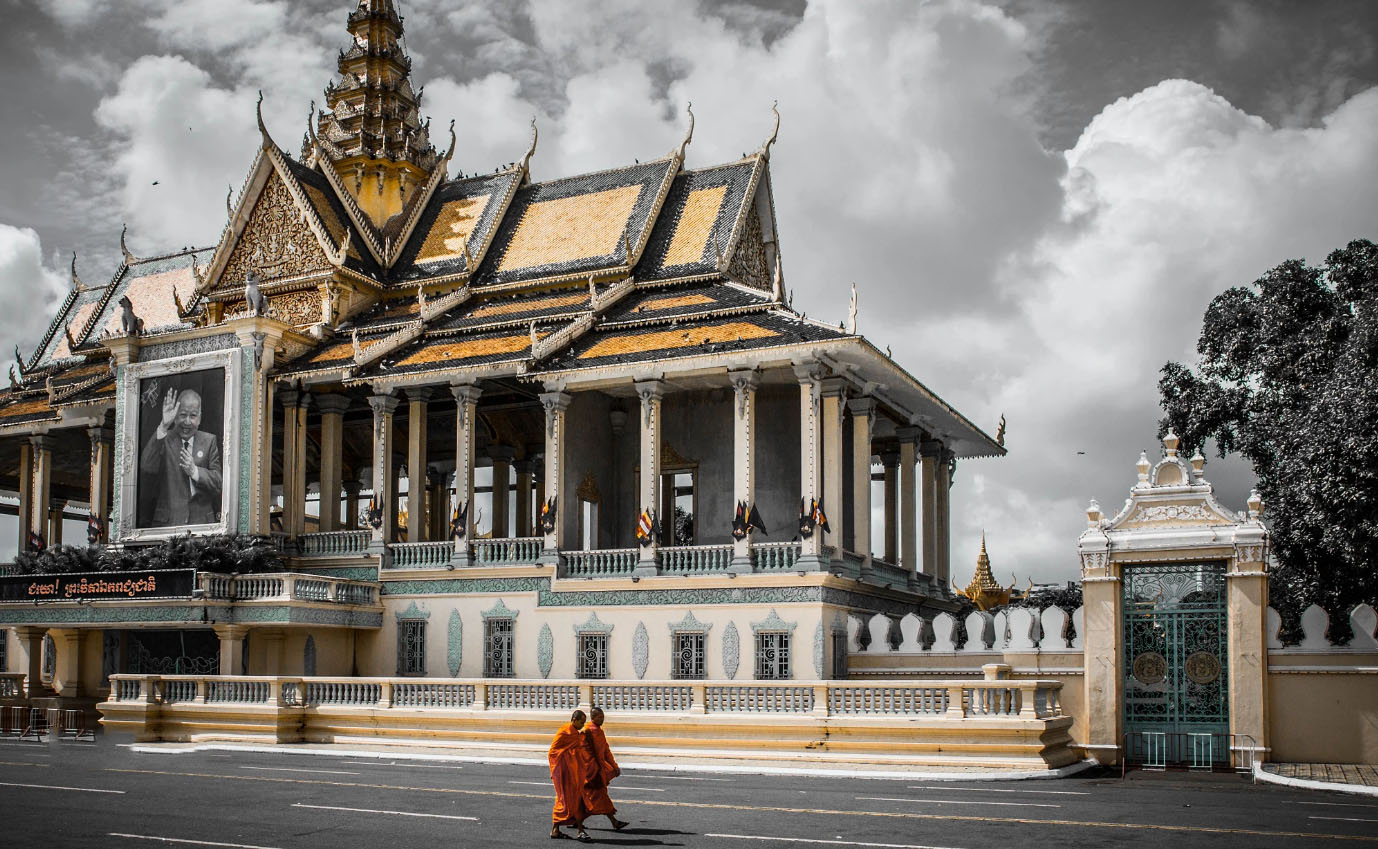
(951, 699)
(1013, 629)
(286, 586)
(420, 555)
(334, 544)
(507, 551)
(774, 556)
(608, 563)
(695, 559)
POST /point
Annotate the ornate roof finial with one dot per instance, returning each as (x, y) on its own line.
(358, 349)
(1170, 443)
(983, 590)
(468, 257)
(76, 281)
(530, 151)
(851, 312)
(129, 258)
(310, 126)
(421, 297)
(451, 152)
(19, 360)
(777, 284)
(689, 136)
(71, 342)
(263, 128)
(764, 149)
(1000, 432)
(229, 205)
(1143, 466)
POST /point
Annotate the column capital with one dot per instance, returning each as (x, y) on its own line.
(351, 487)
(932, 448)
(230, 632)
(556, 402)
(650, 390)
(909, 434)
(744, 379)
(833, 387)
(293, 398)
(42, 442)
(419, 394)
(465, 393)
(890, 458)
(103, 434)
(862, 407)
(332, 404)
(501, 453)
(524, 467)
(383, 404)
(809, 371)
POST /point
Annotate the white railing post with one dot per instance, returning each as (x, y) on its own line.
(480, 695)
(955, 698)
(385, 695)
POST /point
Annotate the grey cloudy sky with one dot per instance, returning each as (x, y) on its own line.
(1035, 199)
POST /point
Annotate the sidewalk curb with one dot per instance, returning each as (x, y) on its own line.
(1309, 784)
(821, 772)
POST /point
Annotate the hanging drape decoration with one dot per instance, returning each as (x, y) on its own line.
(548, 515)
(459, 521)
(647, 528)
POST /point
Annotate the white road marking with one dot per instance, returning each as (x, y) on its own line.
(827, 842)
(54, 787)
(21, 763)
(647, 789)
(290, 769)
(687, 778)
(187, 842)
(1333, 804)
(994, 790)
(1342, 819)
(958, 802)
(376, 811)
(395, 763)
(533, 783)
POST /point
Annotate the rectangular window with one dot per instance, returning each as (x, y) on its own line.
(497, 648)
(593, 655)
(840, 656)
(688, 660)
(772, 655)
(411, 647)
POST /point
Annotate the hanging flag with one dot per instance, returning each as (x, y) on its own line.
(805, 520)
(94, 528)
(820, 519)
(754, 522)
(739, 522)
(645, 528)
(36, 543)
(459, 522)
(375, 513)
(548, 515)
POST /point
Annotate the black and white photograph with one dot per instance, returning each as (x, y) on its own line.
(181, 423)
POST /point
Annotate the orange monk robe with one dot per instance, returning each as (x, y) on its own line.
(567, 773)
(596, 798)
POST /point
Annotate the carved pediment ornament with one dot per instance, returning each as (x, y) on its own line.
(588, 489)
(1171, 513)
(672, 459)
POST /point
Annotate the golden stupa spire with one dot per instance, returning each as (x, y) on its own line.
(983, 590)
(371, 128)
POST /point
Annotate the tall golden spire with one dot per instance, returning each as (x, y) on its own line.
(983, 591)
(371, 128)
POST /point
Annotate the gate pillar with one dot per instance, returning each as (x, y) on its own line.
(1101, 643)
(1247, 597)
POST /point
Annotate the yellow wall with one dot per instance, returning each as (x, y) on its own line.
(1321, 716)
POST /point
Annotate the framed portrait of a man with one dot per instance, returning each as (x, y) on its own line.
(180, 426)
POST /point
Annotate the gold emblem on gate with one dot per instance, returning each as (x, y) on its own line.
(1150, 667)
(1202, 667)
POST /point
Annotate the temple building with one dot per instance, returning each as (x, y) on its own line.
(494, 426)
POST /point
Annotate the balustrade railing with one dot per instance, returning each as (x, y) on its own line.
(695, 559)
(1021, 699)
(896, 575)
(286, 587)
(512, 550)
(334, 543)
(774, 556)
(421, 555)
(608, 563)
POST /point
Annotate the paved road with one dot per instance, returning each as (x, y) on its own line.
(103, 795)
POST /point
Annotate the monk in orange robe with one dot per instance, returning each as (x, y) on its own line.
(567, 755)
(604, 769)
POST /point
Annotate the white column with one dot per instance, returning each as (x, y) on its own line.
(466, 417)
(294, 407)
(652, 394)
(40, 493)
(231, 648)
(417, 398)
(523, 517)
(909, 549)
(102, 473)
(26, 482)
(810, 376)
(891, 461)
(744, 384)
(930, 452)
(556, 406)
(501, 456)
(834, 506)
(332, 409)
(862, 410)
(384, 493)
(943, 565)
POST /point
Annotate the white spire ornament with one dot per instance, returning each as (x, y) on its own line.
(851, 313)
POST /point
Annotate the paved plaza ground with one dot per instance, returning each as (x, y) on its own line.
(102, 795)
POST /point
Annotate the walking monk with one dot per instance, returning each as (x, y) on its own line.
(604, 769)
(567, 772)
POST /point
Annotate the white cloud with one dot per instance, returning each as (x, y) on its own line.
(30, 291)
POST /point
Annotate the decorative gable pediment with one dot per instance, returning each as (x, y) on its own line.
(276, 242)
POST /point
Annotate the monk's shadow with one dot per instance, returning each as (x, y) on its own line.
(632, 836)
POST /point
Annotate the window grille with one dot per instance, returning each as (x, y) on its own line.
(497, 647)
(772, 655)
(411, 647)
(840, 655)
(688, 660)
(593, 655)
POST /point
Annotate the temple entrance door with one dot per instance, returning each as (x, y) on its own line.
(1176, 692)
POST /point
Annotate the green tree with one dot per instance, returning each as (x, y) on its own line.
(1288, 379)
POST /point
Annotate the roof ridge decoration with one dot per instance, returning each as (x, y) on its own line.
(530, 152)
(764, 150)
(129, 258)
(597, 306)
(412, 330)
(422, 199)
(233, 226)
(356, 214)
(678, 153)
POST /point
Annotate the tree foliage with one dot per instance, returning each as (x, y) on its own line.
(224, 553)
(1288, 379)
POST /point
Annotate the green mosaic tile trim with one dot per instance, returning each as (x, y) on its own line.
(305, 616)
(462, 587)
(545, 650)
(454, 650)
(114, 529)
(89, 614)
(343, 573)
(246, 432)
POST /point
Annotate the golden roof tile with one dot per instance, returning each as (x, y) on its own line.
(572, 228)
(151, 295)
(520, 306)
(453, 225)
(670, 302)
(466, 349)
(695, 224)
(26, 408)
(661, 340)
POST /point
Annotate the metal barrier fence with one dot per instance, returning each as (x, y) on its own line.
(1200, 751)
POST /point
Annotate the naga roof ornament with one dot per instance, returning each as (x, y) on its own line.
(764, 149)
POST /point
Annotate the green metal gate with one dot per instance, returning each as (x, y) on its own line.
(1176, 688)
